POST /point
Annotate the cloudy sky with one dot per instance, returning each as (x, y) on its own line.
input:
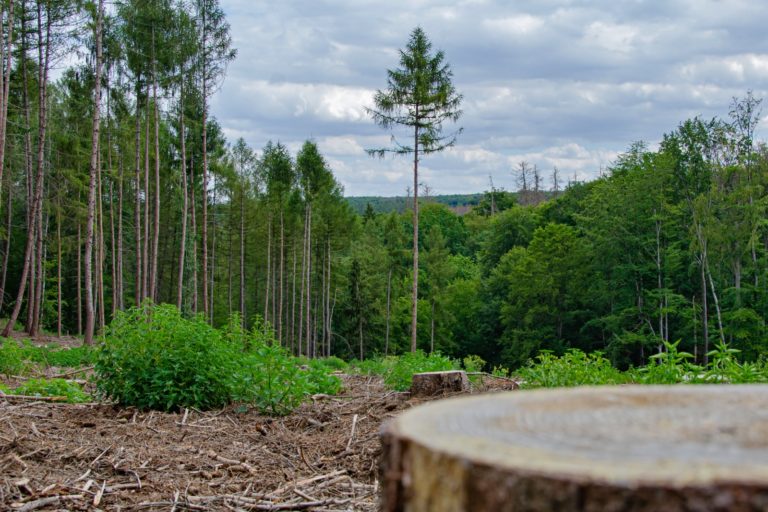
(562, 83)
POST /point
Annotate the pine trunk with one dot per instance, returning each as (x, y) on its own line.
(415, 291)
(156, 243)
(94, 170)
(138, 276)
(184, 206)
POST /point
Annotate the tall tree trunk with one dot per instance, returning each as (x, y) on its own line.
(282, 278)
(704, 312)
(94, 170)
(242, 255)
(7, 245)
(329, 324)
(184, 206)
(432, 330)
(6, 53)
(309, 276)
(146, 257)
(293, 300)
(303, 283)
(100, 253)
(213, 257)
(269, 270)
(194, 236)
(138, 276)
(205, 166)
(58, 271)
(389, 309)
(113, 245)
(415, 292)
(156, 242)
(79, 278)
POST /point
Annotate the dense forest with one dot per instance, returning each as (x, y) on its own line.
(118, 186)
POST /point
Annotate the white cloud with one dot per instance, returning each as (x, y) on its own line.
(559, 82)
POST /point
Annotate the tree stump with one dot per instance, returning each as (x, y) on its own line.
(435, 383)
(632, 448)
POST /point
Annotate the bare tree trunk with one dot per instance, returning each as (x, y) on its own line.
(8, 228)
(184, 207)
(94, 170)
(309, 276)
(100, 247)
(58, 271)
(146, 257)
(293, 300)
(269, 269)
(205, 171)
(389, 309)
(329, 324)
(242, 255)
(705, 312)
(415, 292)
(213, 257)
(113, 244)
(156, 243)
(138, 277)
(6, 53)
(282, 279)
(119, 282)
(79, 279)
(303, 283)
(194, 236)
(432, 330)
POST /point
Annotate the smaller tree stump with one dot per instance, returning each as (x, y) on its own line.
(436, 383)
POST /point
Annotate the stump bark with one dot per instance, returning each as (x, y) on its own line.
(436, 383)
(633, 448)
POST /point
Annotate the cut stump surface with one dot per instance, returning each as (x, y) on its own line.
(436, 383)
(632, 448)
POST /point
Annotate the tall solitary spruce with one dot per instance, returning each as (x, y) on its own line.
(420, 96)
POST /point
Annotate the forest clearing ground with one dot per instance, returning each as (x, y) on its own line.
(324, 456)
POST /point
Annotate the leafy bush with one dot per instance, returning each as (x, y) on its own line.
(574, 368)
(53, 387)
(473, 363)
(153, 358)
(12, 361)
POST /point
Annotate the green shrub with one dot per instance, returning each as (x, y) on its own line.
(53, 387)
(12, 360)
(271, 380)
(473, 363)
(153, 358)
(574, 368)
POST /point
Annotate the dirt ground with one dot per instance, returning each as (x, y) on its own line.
(323, 457)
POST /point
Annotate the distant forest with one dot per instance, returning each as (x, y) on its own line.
(457, 202)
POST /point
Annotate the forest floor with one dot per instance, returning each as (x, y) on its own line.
(324, 456)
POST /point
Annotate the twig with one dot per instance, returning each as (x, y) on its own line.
(43, 502)
(99, 494)
(34, 398)
(73, 372)
(352, 433)
(233, 462)
(302, 483)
